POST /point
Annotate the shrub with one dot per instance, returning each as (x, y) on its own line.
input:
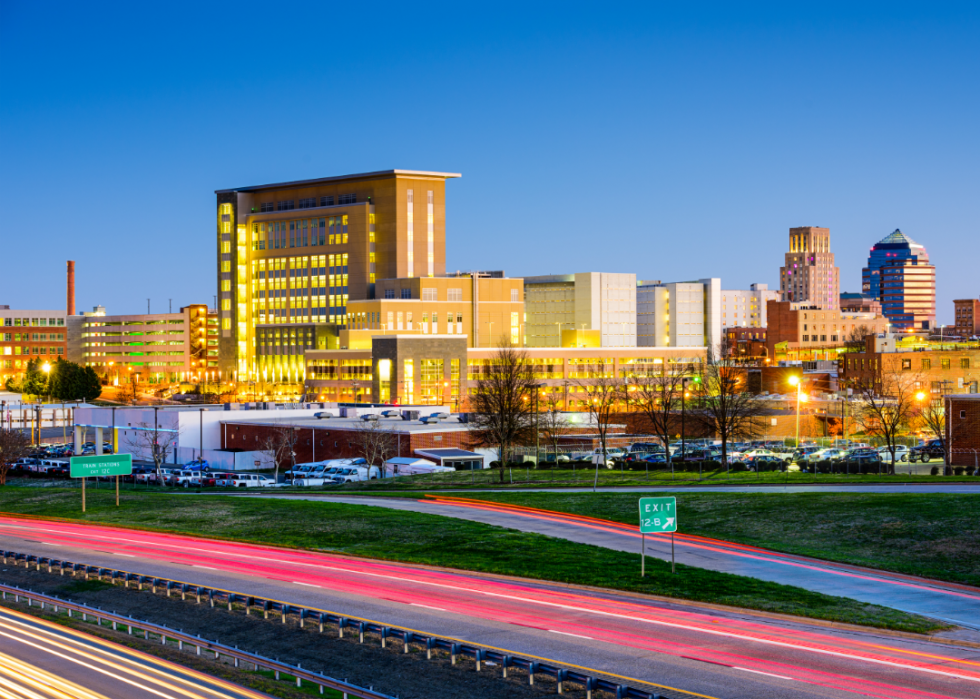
(934, 471)
(494, 464)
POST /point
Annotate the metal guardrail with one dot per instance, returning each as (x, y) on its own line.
(201, 644)
(215, 596)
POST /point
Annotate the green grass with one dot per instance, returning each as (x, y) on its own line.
(430, 539)
(931, 535)
(520, 478)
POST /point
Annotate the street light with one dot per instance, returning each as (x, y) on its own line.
(795, 381)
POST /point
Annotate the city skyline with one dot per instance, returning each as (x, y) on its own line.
(873, 135)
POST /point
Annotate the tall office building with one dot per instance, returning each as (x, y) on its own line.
(292, 254)
(809, 273)
(679, 314)
(900, 276)
(598, 306)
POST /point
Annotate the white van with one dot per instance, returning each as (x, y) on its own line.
(354, 474)
(328, 472)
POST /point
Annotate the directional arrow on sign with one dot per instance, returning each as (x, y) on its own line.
(669, 524)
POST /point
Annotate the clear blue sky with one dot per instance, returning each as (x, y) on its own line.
(674, 140)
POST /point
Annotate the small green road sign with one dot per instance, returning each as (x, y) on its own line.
(658, 515)
(105, 465)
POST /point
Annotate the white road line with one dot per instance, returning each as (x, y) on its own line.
(759, 672)
(195, 565)
(425, 606)
(127, 555)
(574, 635)
(297, 582)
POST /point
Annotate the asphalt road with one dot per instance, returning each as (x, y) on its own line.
(715, 653)
(953, 603)
(42, 660)
(963, 488)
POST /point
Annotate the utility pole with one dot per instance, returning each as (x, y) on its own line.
(148, 307)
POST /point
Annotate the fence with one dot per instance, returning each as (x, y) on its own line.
(216, 596)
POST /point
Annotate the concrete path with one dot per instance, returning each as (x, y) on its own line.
(952, 603)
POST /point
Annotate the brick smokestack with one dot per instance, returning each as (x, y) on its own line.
(71, 287)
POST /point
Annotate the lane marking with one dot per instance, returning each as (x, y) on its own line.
(425, 606)
(297, 582)
(760, 672)
(573, 635)
(195, 565)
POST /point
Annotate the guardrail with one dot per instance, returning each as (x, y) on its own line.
(456, 648)
(201, 644)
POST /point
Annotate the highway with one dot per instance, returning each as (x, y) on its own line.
(716, 653)
(42, 660)
(957, 604)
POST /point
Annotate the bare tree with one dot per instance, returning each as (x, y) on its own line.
(932, 414)
(502, 409)
(279, 447)
(605, 396)
(552, 422)
(149, 443)
(376, 443)
(727, 409)
(657, 397)
(854, 338)
(14, 445)
(888, 411)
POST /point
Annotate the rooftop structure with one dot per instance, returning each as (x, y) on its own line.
(809, 274)
(900, 276)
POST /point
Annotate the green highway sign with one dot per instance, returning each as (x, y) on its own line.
(658, 515)
(105, 465)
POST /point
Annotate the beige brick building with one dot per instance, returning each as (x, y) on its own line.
(809, 274)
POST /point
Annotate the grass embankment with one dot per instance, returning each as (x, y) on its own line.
(931, 535)
(520, 478)
(430, 539)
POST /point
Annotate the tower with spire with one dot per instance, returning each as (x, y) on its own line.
(900, 276)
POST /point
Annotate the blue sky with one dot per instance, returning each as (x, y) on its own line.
(675, 140)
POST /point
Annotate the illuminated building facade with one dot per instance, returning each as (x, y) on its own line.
(900, 276)
(809, 274)
(293, 256)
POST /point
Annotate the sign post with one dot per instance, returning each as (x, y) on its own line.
(657, 516)
(105, 465)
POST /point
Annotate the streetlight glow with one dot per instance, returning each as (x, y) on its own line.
(794, 380)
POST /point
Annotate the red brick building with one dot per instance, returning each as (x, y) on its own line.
(942, 368)
(803, 332)
(967, 317)
(963, 429)
(746, 343)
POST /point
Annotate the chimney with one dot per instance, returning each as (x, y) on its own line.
(71, 287)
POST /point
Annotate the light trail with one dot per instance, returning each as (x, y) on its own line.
(814, 657)
(120, 665)
(705, 543)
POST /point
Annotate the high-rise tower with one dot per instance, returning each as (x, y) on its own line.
(809, 274)
(900, 276)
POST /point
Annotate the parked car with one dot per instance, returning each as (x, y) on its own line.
(322, 415)
(183, 478)
(901, 453)
(862, 455)
(646, 447)
(829, 454)
(656, 459)
(301, 470)
(253, 480)
(355, 473)
(933, 449)
(370, 417)
(391, 413)
(224, 480)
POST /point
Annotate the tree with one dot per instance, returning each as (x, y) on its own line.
(727, 410)
(887, 412)
(657, 397)
(932, 413)
(150, 443)
(552, 423)
(34, 383)
(502, 409)
(279, 446)
(604, 397)
(376, 443)
(14, 445)
(854, 338)
(70, 382)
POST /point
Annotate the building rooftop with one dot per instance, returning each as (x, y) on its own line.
(340, 178)
(898, 238)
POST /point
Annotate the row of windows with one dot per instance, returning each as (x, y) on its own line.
(296, 234)
(31, 350)
(943, 363)
(36, 337)
(307, 203)
(36, 322)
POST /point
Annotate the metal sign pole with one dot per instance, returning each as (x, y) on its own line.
(643, 556)
(672, 570)
(117, 495)
(83, 495)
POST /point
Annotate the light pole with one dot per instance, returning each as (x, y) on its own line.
(795, 381)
